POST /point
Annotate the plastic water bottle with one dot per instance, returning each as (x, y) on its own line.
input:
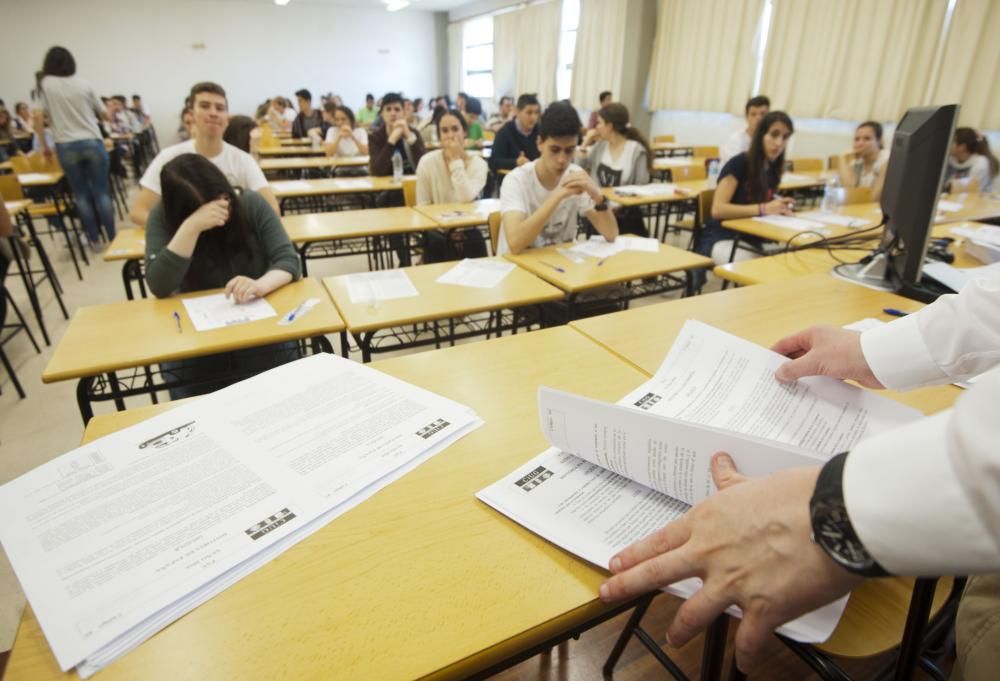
(831, 194)
(315, 141)
(713, 172)
(397, 168)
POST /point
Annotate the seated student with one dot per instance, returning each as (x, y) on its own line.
(140, 110)
(517, 141)
(451, 175)
(242, 133)
(366, 114)
(747, 187)
(343, 137)
(970, 158)
(23, 126)
(8, 144)
(541, 201)
(395, 135)
(206, 235)
(617, 154)
(756, 108)
(429, 130)
(210, 116)
(502, 115)
(280, 114)
(409, 114)
(473, 112)
(461, 103)
(605, 99)
(308, 118)
(866, 163)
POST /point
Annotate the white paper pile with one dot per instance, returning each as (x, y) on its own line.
(477, 273)
(373, 287)
(216, 311)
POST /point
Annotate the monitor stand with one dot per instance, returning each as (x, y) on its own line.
(875, 274)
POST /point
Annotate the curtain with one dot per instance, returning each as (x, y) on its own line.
(970, 65)
(600, 50)
(703, 55)
(851, 59)
(505, 30)
(455, 47)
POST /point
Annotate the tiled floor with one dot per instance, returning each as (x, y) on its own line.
(47, 423)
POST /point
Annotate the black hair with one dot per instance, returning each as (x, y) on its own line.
(876, 128)
(120, 98)
(188, 182)
(977, 143)
(559, 120)
(238, 132)
(441, 112)
(136, 97)
(759, 100)
(417, 102)
(304, 94)
(473, 106)
(58, 62)
(506, 98)
(391, 98)
(617, 116)
(757, 161)
(209, 87)
(527, 99)
(332, 108)
(606, 93)
(369, 96)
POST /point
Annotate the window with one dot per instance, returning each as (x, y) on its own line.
(567, 46)
(477, 57)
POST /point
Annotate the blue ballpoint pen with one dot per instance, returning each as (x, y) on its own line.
(894, 312)
(555, 267)
(177, 318)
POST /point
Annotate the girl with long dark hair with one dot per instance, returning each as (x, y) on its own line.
(970, 158)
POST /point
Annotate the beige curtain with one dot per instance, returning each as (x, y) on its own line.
(600, 51)
(454, 58)
(703, 55)
(970, 66)
(505, 30)
(851, 59)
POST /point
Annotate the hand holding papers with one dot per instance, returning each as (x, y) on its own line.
(216, 311)
(117, 539)
(615, 474)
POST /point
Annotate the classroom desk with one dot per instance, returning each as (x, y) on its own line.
(975, 207)
(18, 206)
(353, 232)
(312, 162)
(291, 150)
(134, 335)
(7, 167)
(869, 213)
(622, 277)
(419, 581)
(455, 215)
(460, 306)
(129, 245)
(285, 190)
(672, 149)
(669, 163)
(818, 260)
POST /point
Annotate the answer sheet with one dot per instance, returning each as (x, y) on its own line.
(116, 539)
(792, 223)
(477, 273)
(372, 287)
(833, 218)
(652, 189)
(216, 311)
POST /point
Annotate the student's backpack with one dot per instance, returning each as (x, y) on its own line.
(455, 244)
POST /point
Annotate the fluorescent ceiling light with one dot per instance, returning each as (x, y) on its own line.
(281, 3)
(396, 5)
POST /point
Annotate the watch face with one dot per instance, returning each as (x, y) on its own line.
(832, 532)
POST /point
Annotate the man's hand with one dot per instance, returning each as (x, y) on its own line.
(825, 351)
(578, 182)
(751, 545)
(398, 131)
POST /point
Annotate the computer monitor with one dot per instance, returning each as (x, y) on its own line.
(910, 194)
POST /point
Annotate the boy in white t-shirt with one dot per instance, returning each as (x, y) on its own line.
(756, 108)
(541, 201)
(210, 111)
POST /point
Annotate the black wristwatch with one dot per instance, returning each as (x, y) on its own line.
(831, 525)
(603, 205)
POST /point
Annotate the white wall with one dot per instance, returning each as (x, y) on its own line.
(255, 50)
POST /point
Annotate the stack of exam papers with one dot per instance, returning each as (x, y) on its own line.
(598, 247)
(616, 473)
(115, 540)
(477, 273)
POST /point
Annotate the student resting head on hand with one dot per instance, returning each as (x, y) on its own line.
(970, 160)
(865, 164)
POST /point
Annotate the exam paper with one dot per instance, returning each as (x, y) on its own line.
(290, 185)
(477, 273)
(949, 206)
(832, 218)
(653, 189)
(354, 183)
(372, 287)
(597, 248)
(216, 311)
(25, 178)
(637, 243)
(792, 177)
(116, 539)
(793, 223)
(673, 162)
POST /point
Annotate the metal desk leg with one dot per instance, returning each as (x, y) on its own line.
(83, 400)
(29, 285)
(916, 624)
(714, 651)
(116, 391)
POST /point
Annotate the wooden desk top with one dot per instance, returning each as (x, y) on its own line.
(622, 267)
(134, 333)
(685, 191)
(670, 162)
(974, 207)
(763, 314)
(819, 260)
(292, 150)
(284, 189)
(422, 568)
(869, 212)
(671, 146)
(438, 301)
(128, 244)
(473, 214)
(7, 165)
(346, 224)
(39, 179)
(307, 162)
(15, 207)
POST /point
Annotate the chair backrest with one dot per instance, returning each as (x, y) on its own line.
(705, 152)
(410, 192)
(21, 164)
(663, 139)
(705, 199)
(10, 188)
(494, 222)
(39, 164)
(682, 173)
(857, 195)
(806, 164)
(833, 162)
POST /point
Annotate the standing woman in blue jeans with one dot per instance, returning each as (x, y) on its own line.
(73, 109)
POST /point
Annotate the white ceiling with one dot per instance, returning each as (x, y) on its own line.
(425, 5)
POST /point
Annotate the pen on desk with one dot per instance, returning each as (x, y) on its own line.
(296, 312)
(894, 312)
(555, 267)
(177, 318)
(601, 261)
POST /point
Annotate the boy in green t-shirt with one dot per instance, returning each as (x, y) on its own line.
(473, 112)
